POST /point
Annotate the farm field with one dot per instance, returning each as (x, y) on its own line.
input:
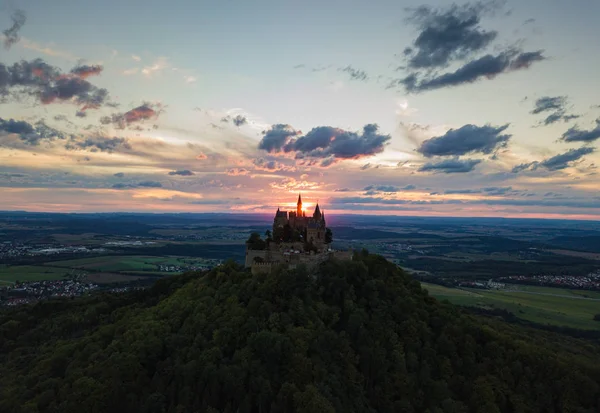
(100, 269)
(10, 274)
(544, 305)
(120, 263)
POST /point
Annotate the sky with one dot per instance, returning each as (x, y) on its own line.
(487, 108)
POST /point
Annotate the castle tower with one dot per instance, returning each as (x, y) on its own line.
(317, 214)
(299, 206)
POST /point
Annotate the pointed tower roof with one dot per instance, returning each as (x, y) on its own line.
(299, 199)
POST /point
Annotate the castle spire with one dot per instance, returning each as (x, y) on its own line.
(299, 207)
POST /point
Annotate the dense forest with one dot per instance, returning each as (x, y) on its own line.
(356, 336)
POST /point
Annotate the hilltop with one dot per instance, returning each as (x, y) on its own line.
(354, 336)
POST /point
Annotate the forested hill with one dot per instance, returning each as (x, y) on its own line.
(359, 336)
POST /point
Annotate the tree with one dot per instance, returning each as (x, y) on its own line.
(268, 235)
(328, 236)
(255, 242)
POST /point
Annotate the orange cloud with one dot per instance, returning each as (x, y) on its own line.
(143, 112)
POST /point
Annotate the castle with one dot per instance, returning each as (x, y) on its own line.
(296, 226)
(295, 239)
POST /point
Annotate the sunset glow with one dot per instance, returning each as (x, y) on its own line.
(384, 125)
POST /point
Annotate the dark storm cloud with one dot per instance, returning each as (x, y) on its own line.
(446, 35)
(47, 84)
(99, 143)
(277, 137)
(183, 172)
(556, 163)
(449, 166)
(326, 142)
(11, 35)
(467, 139)
(355, 74)
(488, 66)
(577, 135)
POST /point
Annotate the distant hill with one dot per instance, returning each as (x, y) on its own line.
(358, 336)
(578, 243)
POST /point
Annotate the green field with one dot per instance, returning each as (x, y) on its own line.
(128, 263)
(10, 274)
(544, 305)
(107, 265)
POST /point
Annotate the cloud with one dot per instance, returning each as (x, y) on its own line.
(556, 163)
(11, 35)
(143, 184)
(99, 144)
(446, 35)
(564, 160)
(575, 134)
(277, 137)
(85, 71)
(183, 172)
(488, 66)
(119, 175)
(237, 171)
(135, 115)
(557, 105)
(158, 66)
(552, 104)
(150, 184)
(467, 139)
(461, 191)
(448, 166)
(325, 142)
(18, 127)
(30, 134)
(47, 84)
(271, 165)
(355, 74)
(387, 188)
(494, 190)
(239, 120)
(123, 186)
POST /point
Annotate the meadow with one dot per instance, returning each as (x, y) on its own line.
(544, 305)
(100, 269)
(11, 274)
